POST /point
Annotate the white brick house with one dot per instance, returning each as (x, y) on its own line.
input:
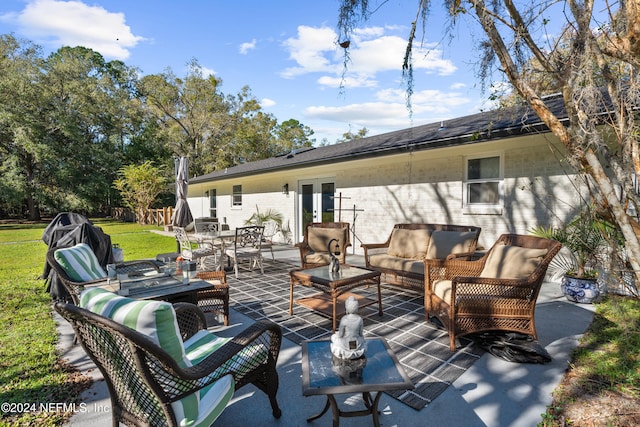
(499, 170)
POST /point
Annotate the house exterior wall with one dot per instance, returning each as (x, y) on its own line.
(420, 186)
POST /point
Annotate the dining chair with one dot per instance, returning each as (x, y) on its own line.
(193, 252)
(270, 230)
(247, 246)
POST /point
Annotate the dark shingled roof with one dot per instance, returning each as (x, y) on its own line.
(485, 126)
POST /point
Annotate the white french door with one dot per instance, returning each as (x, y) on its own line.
(315, 202)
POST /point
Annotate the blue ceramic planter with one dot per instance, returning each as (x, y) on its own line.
(580, 290)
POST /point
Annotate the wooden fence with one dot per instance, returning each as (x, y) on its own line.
(161, 216)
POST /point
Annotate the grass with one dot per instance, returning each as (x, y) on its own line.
(30, 369)
(602, 386)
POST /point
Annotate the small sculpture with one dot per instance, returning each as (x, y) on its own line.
(349, 370)
(348, 342)
(334, 263)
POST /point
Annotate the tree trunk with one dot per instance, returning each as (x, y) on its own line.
(33, 208)
(621, 218)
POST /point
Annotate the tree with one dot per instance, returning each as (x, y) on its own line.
(291, 135)
(139, 186)
(350, 136)
(199, 121)
(24, 152)
(604, 148)
(64, 121)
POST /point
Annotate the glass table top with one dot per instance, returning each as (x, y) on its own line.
(323, 373)
(346, 272)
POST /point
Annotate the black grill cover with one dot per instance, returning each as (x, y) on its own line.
(68, 229)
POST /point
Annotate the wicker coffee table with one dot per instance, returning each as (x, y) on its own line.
(334, 288)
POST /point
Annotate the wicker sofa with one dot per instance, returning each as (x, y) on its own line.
(400, 258)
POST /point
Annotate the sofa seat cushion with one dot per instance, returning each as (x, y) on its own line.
(389, 262)
(408, 243)
(157, 321)
(512, 262)
(318, 238)
(443, 243)
(80, 263)
(442, 289)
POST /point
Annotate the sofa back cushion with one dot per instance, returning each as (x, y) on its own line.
(318, 238)
(443, 243)
(512, 262)
(407, 243)
(80, 263)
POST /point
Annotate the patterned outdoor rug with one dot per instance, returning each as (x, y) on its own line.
(422, 347)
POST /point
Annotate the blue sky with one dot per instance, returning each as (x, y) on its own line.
(285, 51)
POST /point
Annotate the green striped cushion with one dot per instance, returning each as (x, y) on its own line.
(203, 343)
(157, 320)
(80, 263)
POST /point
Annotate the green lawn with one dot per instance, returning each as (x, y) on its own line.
(30, 370)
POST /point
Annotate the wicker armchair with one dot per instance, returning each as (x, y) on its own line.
(313, 248)
(496, 292)
(74, 288)
(215, 300)
(148, 385)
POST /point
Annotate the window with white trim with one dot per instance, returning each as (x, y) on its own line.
(237, 196)
(483, 185)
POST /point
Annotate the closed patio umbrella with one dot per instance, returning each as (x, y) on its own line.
(182, 214)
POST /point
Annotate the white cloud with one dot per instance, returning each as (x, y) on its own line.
(247, 46)
(350, 81)
(74, 23)
(371, 52)
(266, 102)
(207, 72)
(389, 111)
(308, 50)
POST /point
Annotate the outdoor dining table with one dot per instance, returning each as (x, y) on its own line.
(215, 238)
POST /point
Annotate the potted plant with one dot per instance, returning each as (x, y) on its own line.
(585, 236)
(270, 215)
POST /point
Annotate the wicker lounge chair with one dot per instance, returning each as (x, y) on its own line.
(158, 375)
(75, 286)
(496, 292)
(313, 248)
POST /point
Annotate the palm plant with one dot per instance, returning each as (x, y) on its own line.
(259, 218)
(586, 237)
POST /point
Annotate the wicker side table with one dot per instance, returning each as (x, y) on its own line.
(215, 300)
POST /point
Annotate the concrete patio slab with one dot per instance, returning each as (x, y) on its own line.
(493, 392)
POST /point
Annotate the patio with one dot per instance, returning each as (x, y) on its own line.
(491, 392)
